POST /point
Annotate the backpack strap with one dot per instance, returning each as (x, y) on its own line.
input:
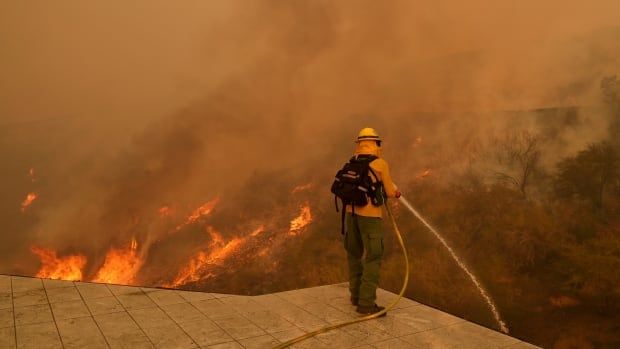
(379, 182)
(367, 159)
(374, 174)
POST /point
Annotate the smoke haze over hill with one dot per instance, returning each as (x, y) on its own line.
(123, 109)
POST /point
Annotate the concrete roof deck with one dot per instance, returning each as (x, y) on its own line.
(42, 313)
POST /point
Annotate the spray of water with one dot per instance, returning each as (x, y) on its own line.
(483, 293)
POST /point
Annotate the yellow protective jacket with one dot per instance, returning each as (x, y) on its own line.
(381, 168)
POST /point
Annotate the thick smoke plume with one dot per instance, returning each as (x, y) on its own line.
(122, 109)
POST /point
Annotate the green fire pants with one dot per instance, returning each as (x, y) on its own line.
(363, 241)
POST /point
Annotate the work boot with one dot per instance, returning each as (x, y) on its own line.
(370, 310)
(355, 300)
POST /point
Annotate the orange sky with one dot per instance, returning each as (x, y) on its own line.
(117, 61)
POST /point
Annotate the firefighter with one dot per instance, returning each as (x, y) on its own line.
(363, 239)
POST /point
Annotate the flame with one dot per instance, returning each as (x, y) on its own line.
(164, 211)
(203, 265)
(31, 174)
(28, 201)
(62, 268)
(218, 251)
(424, 174)
(301, 221)
(121, 265)
(258, 230)
(299, 188)
(263, 252)
(216, 237)
(563, 301)
(204, 210)
(417, 142)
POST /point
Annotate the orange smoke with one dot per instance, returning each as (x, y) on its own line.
(121, 265)
(301, 221)
(28, 201)
(61, 268)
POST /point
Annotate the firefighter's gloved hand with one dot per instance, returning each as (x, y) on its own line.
(397, 194)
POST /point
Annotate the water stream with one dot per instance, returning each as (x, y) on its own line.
(483, 293)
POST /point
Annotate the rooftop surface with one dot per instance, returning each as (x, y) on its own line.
(42, 313)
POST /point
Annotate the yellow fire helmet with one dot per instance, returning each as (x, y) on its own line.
(368, 134)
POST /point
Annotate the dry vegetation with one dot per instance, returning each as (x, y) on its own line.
(545, 243)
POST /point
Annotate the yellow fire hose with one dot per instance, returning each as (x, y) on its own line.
(369, 317)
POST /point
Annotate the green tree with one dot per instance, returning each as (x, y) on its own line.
(589, 175)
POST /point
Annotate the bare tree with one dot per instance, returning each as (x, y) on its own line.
(518, 154)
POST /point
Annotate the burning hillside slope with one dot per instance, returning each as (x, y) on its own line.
(212, 254)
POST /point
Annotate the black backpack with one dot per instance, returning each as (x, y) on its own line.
(353, 185)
